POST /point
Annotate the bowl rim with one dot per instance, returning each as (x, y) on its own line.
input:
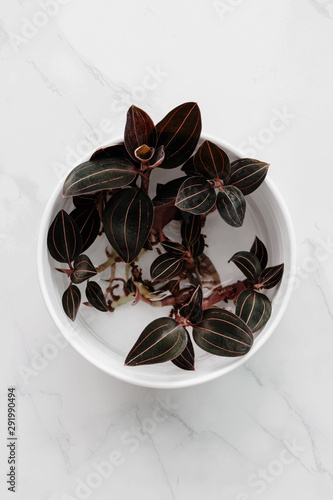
(200, 378)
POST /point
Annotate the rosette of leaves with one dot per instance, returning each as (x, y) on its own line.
(213, 181)
(253, 266)
(110, 196)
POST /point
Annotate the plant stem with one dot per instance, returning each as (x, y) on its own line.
(145, 180)
(110, 262)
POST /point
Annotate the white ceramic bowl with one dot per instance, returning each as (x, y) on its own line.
(105, 339)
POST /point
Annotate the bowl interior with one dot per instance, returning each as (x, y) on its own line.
(105, 339)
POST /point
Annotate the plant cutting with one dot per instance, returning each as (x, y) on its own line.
(111, 196)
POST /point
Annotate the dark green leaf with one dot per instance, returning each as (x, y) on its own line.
(270, 277)
(231, 205)
(84, 202)
(211, 161)
(248, 264)
(193, 309)
(185, 360)
(127, 221)
(89, 224)
(71, 300)
(198, 247)
(191, 229)
(162, 340)
(95, 296)
(91, 176)
(64, 239)
(83, 269)
(247, 174)
(179, 133)
(165, 267)
(173, 248)
(139, 130)
(259, 250)
(254, 309)
(223, 333)
(196, 195)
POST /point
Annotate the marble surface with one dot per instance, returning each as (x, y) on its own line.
(262, 74)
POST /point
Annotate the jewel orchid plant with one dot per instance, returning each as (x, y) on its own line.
(110, 195)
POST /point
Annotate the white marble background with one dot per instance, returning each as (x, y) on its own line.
(70, 68)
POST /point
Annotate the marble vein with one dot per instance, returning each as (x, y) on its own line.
(247, 368)
(322, 7)
(95, 72)
(136, 409)
(320, 468)
(192, 432)
(280, 441)
(65, 434)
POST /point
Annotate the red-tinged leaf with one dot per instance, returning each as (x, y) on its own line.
(254, 309)
(84, 202)
(198, 247)
(179, 133)
(211, 161)
(223, 333)
(165, 267)
(231, 205)
(191, 229)
(95, 296)
(89, 224)
(247, 174)
(164, 204)
(196, 196)
(248, 264)
(157, 158)
(139, 130)
(83, 269)
(167, 193)
(163, 214)
(185, 360)
(193, 309)
(71, 301)
(127, 221)
(260, 251)
(99, 174)
(64, 239)
(270, 277)
(162, 340)
(173, 248)
(115, 151)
